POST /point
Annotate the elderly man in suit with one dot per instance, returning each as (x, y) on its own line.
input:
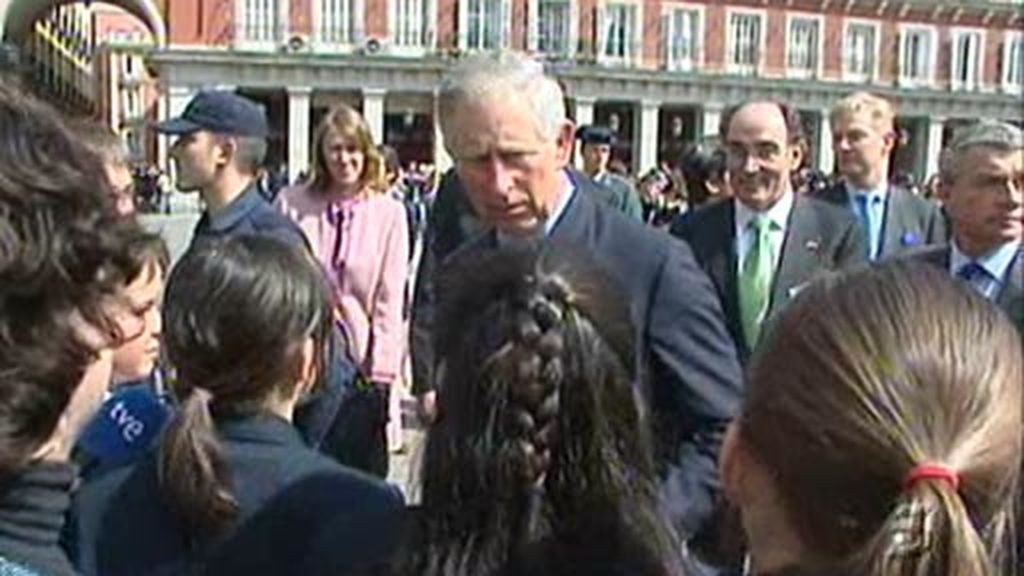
(767, 242)
(981, 176)
(892, 219)
(504, 124)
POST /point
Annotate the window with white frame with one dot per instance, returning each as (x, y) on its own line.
(336, 22)
(552, 27)
(683, 38)
(803, 45)
(1013, 63)
(860, 50)
(619, 31)
(966, 59)
(413, 23)
(746, 32)
(917, 55)
(484, 24)
(261, 21)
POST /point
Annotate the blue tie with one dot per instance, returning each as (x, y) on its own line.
(979, 278)
(867, 221)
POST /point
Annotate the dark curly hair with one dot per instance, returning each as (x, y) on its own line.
(63, 255)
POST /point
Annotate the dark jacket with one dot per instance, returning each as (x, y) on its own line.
(32, 509)
(121, 526)
(251, 214)
(688, 368)
(820, 238)
(1010, 299)
(910, 221)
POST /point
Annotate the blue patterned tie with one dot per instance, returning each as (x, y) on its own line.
(979, 279)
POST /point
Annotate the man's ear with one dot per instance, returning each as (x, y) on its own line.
(224, 150)
(565, 142)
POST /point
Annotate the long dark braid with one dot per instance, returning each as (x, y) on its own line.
(539, 439)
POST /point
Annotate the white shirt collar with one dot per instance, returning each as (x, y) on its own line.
(880, 191)
(996, 261)
(568, 189)
(778, 213)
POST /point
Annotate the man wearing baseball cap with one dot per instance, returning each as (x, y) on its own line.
(220, 146)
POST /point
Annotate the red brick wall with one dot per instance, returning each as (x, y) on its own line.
(375, 24)
(832, 66)
(992, 58)
(520, 11)
(300, 17)
(714, 37)
(587, 12)
(447, 23)
(204, 22)
(888, 53)
(651, 35)
(774, 63)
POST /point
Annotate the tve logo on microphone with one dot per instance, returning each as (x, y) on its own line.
(125, 425)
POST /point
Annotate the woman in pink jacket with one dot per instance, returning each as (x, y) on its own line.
(360, 236)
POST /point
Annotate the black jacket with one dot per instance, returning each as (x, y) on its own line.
(32, 509)
(286, 492)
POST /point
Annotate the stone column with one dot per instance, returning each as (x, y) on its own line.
(933, 147)
(826, 158)
(298, 130)
(373, 112)
(584, 114)
(648, 143)
(711, 115)
(442, 161)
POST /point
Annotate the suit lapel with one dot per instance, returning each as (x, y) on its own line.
(801, 254)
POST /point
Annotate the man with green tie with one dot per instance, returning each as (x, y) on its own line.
(762, 246)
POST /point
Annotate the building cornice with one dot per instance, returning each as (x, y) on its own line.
(356, 72)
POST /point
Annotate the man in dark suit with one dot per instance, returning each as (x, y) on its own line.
(892, 219)
(504, 124)
(767, 242)
(982, 181)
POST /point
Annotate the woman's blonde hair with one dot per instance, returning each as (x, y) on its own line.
(345, 121)
(862, 380)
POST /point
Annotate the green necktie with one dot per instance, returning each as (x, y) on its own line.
(756, 279)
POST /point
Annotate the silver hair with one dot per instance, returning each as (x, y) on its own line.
(505, 74)
(998, 136)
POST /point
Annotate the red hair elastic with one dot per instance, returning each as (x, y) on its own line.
(931, 471)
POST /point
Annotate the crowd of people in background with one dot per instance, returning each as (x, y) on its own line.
(731, 365)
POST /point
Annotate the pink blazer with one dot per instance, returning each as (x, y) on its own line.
(363, 244)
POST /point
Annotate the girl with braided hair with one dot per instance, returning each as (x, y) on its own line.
(540, 460)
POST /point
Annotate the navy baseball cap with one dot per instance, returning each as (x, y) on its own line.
(220, 112)
(591, 134)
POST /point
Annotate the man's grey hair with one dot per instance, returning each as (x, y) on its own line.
(504, 74)
(998, 136)
(250, 152)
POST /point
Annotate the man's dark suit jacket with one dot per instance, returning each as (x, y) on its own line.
(909, 222)
(688, 366)
(819, 238)
(1010, 298)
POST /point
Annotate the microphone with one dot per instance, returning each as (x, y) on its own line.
(125, 425)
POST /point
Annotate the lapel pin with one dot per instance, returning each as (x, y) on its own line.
(812, 245)
(910, 239)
